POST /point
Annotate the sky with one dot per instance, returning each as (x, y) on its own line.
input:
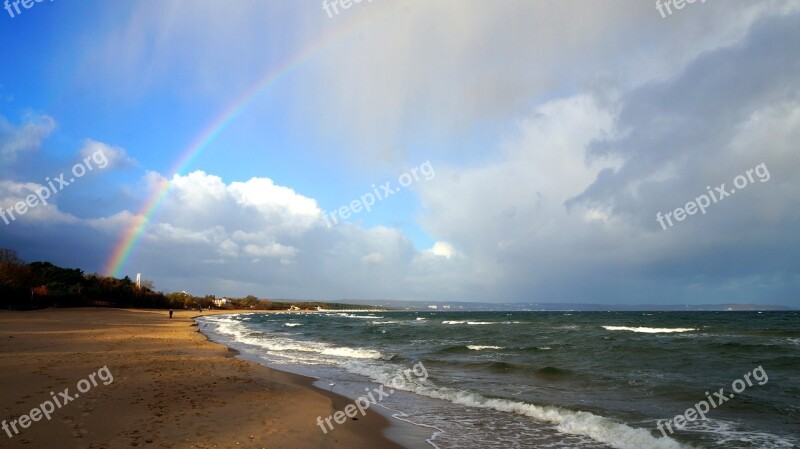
(515, 151)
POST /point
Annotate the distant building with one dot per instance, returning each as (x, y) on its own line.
(433, 307)
(221, 302)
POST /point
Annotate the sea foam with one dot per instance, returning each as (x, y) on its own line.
(598, 428)
(237, 331)
(650, 330)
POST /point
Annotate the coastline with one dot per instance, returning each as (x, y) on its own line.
(172, 387)
(404, 433)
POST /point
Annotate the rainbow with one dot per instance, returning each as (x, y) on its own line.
(124, 247)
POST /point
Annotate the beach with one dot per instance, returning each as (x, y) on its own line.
(136, 378)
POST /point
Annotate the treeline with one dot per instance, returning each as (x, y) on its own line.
(41, 284)
(253, 303)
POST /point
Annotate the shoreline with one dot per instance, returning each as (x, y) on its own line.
(404, 433)
(172, 386)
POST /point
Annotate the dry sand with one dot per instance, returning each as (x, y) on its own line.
(172, 388)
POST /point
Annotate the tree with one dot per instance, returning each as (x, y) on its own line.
(9, 256)
(16, 280)
(42, 284)
(249, 301)
(13, 271)
(65, 282)
(206, 301)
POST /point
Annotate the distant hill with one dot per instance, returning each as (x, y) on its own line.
(545, 307)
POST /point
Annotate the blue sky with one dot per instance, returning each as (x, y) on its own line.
(557, 132)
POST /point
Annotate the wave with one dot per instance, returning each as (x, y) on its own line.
(552, 373)
(468, 322)
(303, 351)
(350, 315)
(503, 366)
(353, 353)
(466, 348)
(650, 330)
(604, 430)
(534, 348)
(728, 431)
(733, 346)
(453, 349)
(292, 324)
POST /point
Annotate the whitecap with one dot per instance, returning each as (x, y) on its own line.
(350, 315)
(468, 322)
(353, 353)
(604, 430)
(650, 330)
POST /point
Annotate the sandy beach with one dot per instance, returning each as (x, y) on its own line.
(150, 381)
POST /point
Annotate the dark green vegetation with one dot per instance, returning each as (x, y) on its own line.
(39, 285)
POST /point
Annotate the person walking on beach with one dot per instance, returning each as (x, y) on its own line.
(170, 313)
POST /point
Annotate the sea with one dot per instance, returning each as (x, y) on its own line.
(548, 379)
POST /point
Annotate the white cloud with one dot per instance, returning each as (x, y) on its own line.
(443, 249)
(109, 156)
(228, 248)
(287, 209)
(373, 258)
(567, 213)
(270, 250)
(26, 137)
(259, 233)
(44, 212)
